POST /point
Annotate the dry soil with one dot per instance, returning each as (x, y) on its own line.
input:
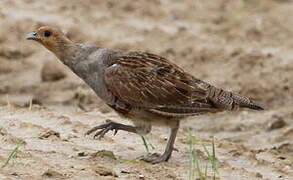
(239, 45)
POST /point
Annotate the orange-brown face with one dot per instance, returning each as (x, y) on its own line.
(47, 36)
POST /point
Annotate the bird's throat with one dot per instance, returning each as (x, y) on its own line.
(66, 52)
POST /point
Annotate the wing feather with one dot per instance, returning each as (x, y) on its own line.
(150, 81)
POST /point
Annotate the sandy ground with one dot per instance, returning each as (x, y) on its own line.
(244, 46)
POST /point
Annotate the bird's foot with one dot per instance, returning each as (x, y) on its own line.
(103, 129)
(155, 158)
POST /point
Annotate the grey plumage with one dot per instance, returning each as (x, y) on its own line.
(143, 87)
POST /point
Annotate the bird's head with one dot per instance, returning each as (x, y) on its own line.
(53, 39)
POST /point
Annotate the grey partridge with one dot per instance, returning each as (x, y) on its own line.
(145, 88)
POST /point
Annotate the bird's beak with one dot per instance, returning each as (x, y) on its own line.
(32, 36)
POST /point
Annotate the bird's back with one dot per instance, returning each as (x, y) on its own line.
(150, 82)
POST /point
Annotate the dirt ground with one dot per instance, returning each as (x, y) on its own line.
(239, 45)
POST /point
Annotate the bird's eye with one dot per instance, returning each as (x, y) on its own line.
(47, 33)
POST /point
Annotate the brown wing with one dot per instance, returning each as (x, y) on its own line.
(147, 80)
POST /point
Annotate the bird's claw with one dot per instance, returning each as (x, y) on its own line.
(103, 129)
(155, 158)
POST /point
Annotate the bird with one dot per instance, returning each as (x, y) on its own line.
(145, 88)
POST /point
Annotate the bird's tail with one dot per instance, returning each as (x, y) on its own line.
(245, 102)
(231, 101)
(253, 106)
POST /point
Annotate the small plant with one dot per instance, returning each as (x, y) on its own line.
(197, 168)
(106, 154)
(146, 144)
(212, 159)
(11, 155)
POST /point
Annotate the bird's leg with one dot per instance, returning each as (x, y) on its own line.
(169, 148)
(104, 128)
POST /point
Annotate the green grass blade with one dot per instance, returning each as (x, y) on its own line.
(152, 146)
(214, 164)
(191, 157)
(106, 154)
(12, 155)
(198, 168)
(145, 144)
(206, 171)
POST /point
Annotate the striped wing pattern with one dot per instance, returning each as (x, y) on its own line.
(150, 81)
(145, 80)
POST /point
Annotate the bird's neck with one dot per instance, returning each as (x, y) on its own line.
(67, 52)
(70, 53)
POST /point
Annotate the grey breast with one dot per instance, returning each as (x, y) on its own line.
(91, 70)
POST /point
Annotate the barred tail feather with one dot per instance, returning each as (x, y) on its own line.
(253, 106)
(246, 102)
(231, 101)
